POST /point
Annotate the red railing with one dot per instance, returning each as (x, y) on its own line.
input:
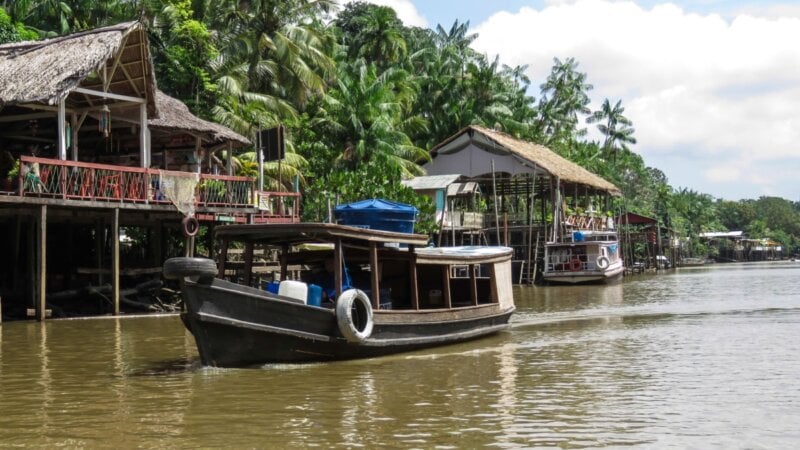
(71, 180)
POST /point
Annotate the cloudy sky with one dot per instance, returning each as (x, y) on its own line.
(712, 86)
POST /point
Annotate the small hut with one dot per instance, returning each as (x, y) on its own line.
(531, 194)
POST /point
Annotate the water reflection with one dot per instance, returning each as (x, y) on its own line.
(697, 359)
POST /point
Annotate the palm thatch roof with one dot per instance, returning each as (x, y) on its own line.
(511, 155)
(47, 71)
(175, 117)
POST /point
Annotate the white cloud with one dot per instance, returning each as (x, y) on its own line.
(405, 9)
(730, 88)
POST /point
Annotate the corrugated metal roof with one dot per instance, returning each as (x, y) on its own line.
(431, 182)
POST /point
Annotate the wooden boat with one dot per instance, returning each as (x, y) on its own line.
(389, 294)
(588, 256)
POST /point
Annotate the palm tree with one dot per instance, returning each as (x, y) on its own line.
(372, 32)
(616, 127)
(366, 113)
(564, 96)
(274, 55)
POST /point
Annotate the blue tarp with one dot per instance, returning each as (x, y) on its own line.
(378, 214)
(377, 204)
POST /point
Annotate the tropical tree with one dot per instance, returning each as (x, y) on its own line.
(274, 55)
(564, 97)
(372, 32)
(616, 127)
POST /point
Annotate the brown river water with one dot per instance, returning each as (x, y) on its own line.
(695, 358)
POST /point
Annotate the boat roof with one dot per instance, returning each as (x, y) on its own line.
(462, 255)
(295, 233)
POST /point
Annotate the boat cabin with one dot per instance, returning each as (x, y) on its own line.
(315, 263)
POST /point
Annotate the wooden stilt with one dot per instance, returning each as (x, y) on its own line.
(248, 263)
(99, 238)
(223, 256)
(41, 264)
(115, 260)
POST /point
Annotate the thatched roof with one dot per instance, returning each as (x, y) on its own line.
(174, 116)
(526, 156)
(47, 71)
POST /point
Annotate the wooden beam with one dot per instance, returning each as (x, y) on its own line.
(144, 151)
(62, 131)
(473, 285)
(115, 260)
(110, 95)
(374, 270)
(412, 275)
(24, 117)
(41, 265)
(337, 267)
(116, 63)
(446, 295)
(248, 263)
(223, 256)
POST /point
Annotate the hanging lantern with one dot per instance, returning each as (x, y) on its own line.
(104, 124)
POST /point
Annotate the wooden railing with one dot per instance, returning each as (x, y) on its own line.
(72, 180)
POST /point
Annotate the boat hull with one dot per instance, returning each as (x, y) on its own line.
(236, 326)
(610, 275)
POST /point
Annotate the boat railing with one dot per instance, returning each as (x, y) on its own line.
(564, 260)
(77, 180)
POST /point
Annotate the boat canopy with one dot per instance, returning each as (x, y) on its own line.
(296, 233)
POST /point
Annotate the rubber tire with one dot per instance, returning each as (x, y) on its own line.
(344, 315)
(602, 262)
(178, 268)
(190, 226)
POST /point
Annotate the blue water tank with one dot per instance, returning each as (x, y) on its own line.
(314, 297)
(377, 214)
(577, 236)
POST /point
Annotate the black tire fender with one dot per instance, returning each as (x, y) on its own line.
(190, 226)
(354, 315)
(178, 268)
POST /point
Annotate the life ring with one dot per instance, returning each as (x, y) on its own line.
(190, 226)
(178, 268)
(354, 315)
(602, 262)
(575, 264)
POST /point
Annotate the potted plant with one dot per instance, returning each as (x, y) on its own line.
(10, 181)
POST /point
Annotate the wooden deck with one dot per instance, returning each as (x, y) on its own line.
(219, 198)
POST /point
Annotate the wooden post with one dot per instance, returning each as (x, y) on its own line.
(62, 132)
(99, 238)
(248, 263)
(223, 255)
(115, 260)
(412, 275)
(41, 265)
(473, 285)
(448, 302)
(374, 271)
(144, 152)
(284, 260)
(337, 267)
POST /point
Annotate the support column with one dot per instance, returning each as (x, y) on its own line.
(115, 260)
(473, 285)
(41, 264)
(412, 275)
(99, 237)
(374, 271)
(62, 132)
(144, 152)
(248, 263)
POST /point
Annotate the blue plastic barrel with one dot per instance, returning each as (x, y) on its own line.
(273, 286)
(314, 297)
(577, 236)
